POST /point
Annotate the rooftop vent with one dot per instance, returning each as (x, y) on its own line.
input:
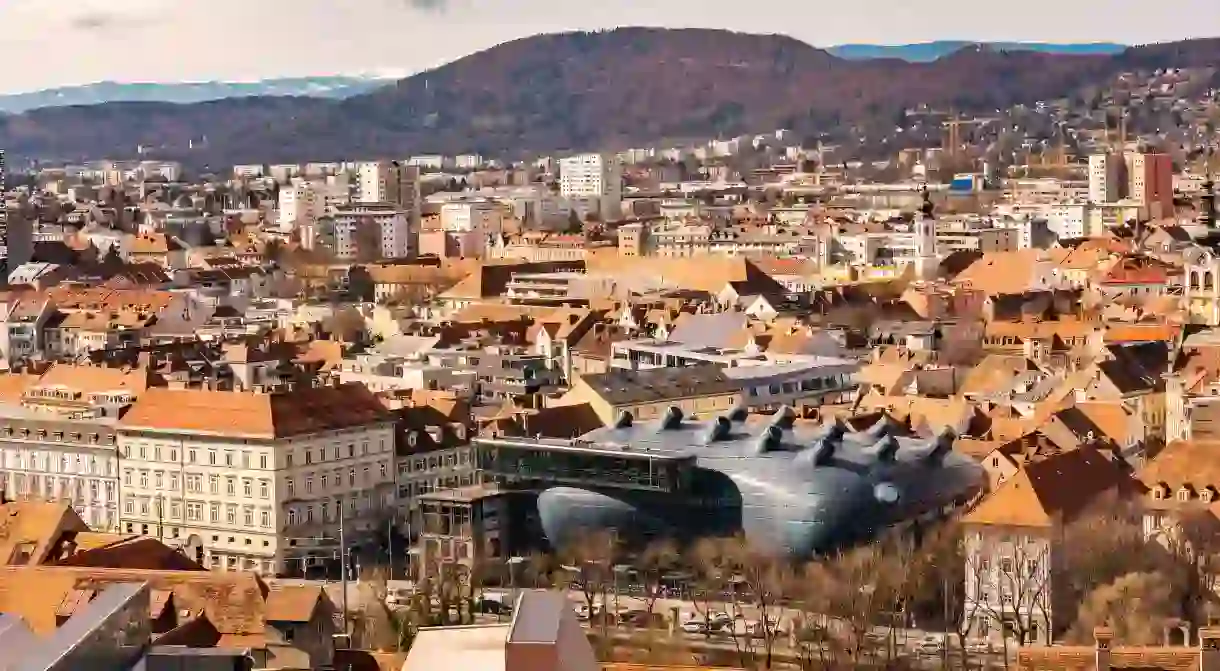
(887, 450)
(624, 420)
(770, 439)
(941, 449)
(785, 417)
(672, 419)
(719, 430)
(823, 452)
(833, 432)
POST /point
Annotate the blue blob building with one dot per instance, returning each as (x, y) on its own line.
(794, 489)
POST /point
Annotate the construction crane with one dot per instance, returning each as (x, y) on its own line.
(953, 140)
(1122, 130)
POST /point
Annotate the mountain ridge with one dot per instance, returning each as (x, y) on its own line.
(924, 52)
(96, 93)
(576, 91)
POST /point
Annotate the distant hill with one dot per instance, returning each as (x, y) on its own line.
(926, 52)
(192, 92)
(576, 91)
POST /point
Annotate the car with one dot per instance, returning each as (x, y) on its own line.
(930, 645)
(979, 647)
(694, 627)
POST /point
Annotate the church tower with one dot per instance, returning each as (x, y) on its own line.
(927, 262)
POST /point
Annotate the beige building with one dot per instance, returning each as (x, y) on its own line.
(242, 479)
(698, 391)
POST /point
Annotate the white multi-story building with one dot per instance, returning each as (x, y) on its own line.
(593, 176)
(1106, 178)
(248, 171)
(468, 162)
(371, 231)
(246, 480)
(58, 439)
(471, 214)
(429, 161)
(299, 205)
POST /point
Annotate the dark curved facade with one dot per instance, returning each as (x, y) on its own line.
(796, 491)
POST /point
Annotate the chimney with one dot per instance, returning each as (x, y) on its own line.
(1104, 638)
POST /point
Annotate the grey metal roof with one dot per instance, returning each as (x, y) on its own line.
(796, 488)
(620, 387)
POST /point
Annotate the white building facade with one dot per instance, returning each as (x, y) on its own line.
(255, 491)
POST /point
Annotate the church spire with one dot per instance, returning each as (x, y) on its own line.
(1208, 202)
(926, 208)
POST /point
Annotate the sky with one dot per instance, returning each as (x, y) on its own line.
(48, 43)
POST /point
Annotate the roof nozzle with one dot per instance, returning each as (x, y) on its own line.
(719, 430)
(672, 419)
(887, 450)
(623, 420)
(770, 440)
(941, 449)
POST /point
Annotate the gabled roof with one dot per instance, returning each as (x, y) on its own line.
(293, 603)
(1053, 489)
(253, 415)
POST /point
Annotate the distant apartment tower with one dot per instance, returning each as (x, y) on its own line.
(300, 205)
(593, 176)
(388, 182)
(371, 231)
(1152, 182)
(1106, 183)
(474, 214)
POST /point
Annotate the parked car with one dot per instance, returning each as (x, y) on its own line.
(979, 647)
(694, 627)
(930, 645)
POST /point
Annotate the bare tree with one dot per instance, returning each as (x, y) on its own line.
(1192, 543)
(1015, 584)
(1134, 607)
(375, 624)
(767, 579)
(951, 585)
(590, 558)
(712, 565)
(853, 590)
(654, 563)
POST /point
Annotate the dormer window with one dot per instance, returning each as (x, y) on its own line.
(1184, 493)
(1207, 494)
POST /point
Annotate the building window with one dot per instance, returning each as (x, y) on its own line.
(230, 486)
(291, 487)
(214, 512)
(214, 484)
(262, 489)
(1184, 494)
(264, 518)
(262, 461)
(1006, 564)
(212, 457)
(247, 487)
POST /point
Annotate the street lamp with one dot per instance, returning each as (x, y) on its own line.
(512, 562)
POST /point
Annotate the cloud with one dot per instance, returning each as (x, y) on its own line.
(93, 21)
(428, 5)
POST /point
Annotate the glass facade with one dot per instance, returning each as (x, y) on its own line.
(627, 471)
